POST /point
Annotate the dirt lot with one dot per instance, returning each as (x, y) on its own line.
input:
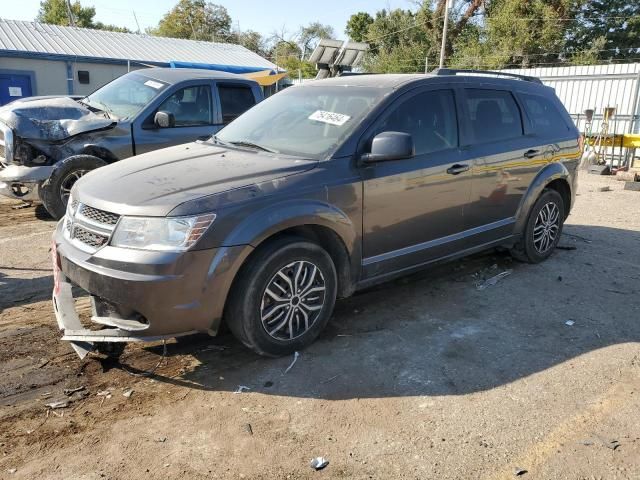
(426, 377)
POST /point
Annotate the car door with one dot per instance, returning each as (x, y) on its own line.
(413, 208)
(193, 109)
(506, 159)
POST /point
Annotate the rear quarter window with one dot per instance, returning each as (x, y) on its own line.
(234, 101)
(545, 116)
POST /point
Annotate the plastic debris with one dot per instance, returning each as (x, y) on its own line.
(295, 359)
(12, 470)
(103, 393)
(569, 323)
(519, 471)
(241, 388)
(128, 392)
(489, 282)
(319, 463)
(161, 439)
(58, 404)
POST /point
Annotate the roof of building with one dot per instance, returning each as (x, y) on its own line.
(35, 39)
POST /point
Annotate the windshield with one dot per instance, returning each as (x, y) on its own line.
(307, 121)
(125, 96)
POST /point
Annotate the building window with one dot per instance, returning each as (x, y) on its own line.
(83, 76)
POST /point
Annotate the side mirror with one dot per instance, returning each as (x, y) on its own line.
(390, 146)
(164, 119)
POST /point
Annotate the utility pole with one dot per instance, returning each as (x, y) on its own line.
(136, 19)
(447, 6)
(71, 20)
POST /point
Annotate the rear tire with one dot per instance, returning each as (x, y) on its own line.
(543, 229)
(55, 191)
(283, 298)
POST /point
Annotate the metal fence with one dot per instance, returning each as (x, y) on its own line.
(596, 87)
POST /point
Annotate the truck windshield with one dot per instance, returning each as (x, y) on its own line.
(125, 96)
(307, 121)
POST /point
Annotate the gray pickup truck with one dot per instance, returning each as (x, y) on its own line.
(48, 143)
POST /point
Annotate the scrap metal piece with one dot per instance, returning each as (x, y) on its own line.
(493, 280)
(319, 463)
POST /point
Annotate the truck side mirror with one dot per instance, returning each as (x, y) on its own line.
(390, 146)
(164, 119)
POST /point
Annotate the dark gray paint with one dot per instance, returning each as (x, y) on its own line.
(389, 217)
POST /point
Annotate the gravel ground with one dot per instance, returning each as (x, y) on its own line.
(425, 377)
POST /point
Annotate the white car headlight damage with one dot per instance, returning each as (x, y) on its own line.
(162, 234)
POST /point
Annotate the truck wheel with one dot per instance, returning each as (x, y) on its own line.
(543, 229)
(283, 297)
(55, 191)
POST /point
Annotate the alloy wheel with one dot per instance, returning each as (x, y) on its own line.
(293, 300)
(68, 182)
(546, 227)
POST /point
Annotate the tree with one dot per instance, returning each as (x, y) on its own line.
(309, 36)
(196, 20)
(55, 12)
(358, 26)
(613, 24)
(251, 40)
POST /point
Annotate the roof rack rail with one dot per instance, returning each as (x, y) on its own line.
(452, 71)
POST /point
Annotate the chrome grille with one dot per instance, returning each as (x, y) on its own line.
(99, 216)
(89, 228)
(92, 239)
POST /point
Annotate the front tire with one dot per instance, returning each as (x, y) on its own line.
(543, 229)
(283, 298)
(55, 192)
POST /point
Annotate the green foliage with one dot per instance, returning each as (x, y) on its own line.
(251, 40)
(55, 12)
(196, 20)
(358, 26)
(311, 34)
(613, 24)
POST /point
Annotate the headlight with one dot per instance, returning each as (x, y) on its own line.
(163, 234)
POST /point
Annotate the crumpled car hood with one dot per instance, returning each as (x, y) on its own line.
(155, 183)
(51, 118)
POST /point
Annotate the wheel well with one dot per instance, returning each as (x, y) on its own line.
(332, 243)
(101, 153)
(561, 186)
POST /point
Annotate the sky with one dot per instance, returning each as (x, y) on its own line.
(262, 16)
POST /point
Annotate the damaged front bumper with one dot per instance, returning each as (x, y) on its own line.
(22, 183)
(140, 296)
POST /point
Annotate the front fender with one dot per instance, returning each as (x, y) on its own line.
(549, 173)
(268, 221)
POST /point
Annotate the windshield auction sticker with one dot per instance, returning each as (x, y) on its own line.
(152, 84)
(332, 118)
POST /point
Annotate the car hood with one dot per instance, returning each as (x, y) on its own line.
(155, 183)
(51, 118)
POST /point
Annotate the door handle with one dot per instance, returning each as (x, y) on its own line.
(457, 169)
(531, 153)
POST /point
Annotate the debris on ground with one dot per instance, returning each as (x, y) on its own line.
(319, 463)
(606, 188)
(104, 393)
(566, 247)
(127, 392)
(241, 388)
(569, 323)
(295, 359)
(70, 391)
(12, 471)
(519, 471)
(58, 404)
(161, 439)
(494, 280)
(247, 428)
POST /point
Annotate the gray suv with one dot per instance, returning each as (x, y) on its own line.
(321, 190)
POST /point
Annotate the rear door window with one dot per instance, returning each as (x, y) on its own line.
(494, 115)
(191, 106)
(234, 101)
(430, 118)
(545, 116)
